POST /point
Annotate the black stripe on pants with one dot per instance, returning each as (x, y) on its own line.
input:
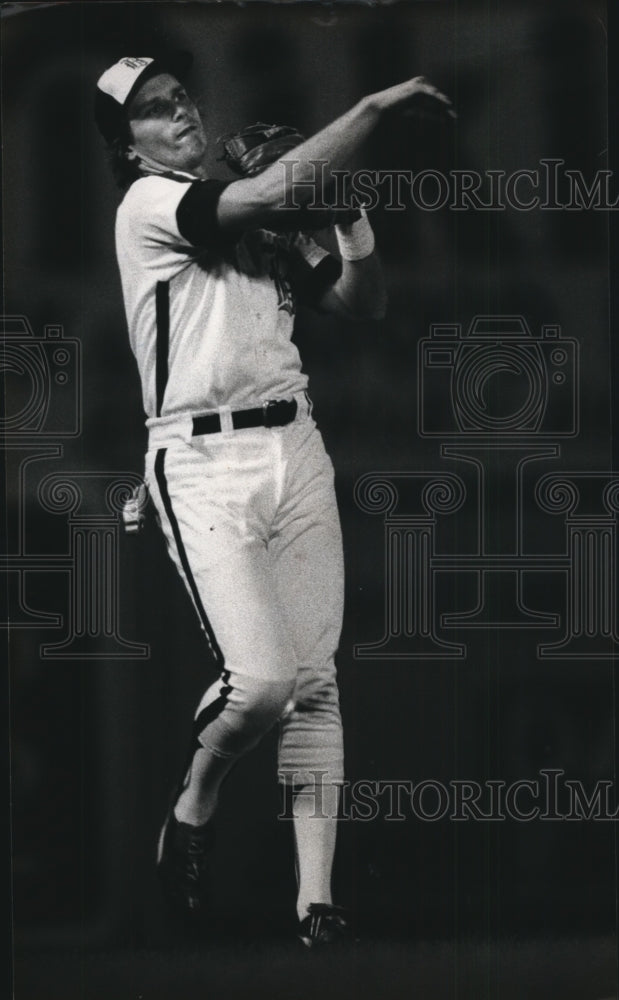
(180, 548)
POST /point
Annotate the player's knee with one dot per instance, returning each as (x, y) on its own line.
(317, 694)
(264, 703)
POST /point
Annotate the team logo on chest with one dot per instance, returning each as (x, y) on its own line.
(265, 253)
(277, 272)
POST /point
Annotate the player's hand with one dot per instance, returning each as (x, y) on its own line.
(411, 96)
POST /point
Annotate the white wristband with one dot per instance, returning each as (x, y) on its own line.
(356, 240)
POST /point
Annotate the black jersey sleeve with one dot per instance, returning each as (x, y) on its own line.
(311, 270)
(196, 215)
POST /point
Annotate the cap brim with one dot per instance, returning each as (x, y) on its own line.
(177, 64)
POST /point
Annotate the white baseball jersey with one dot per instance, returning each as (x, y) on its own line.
(210, 326)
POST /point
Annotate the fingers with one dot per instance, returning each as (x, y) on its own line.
(410, 96)
(423, 86)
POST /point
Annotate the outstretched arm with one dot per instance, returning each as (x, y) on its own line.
(259, 201)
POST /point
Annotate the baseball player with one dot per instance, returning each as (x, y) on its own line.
(211, 273)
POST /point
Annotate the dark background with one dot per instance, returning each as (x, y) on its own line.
(447, 908)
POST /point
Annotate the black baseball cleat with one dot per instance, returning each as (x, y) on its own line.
(181, 858)
(324, 926)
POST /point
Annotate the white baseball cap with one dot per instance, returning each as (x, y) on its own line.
(118, 84)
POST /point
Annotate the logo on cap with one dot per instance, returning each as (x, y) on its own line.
(118, 81)
(135, 62)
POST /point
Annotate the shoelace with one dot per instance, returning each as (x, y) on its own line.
(325, 918)
(192, 855)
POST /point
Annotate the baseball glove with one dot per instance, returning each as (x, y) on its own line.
(252, 149)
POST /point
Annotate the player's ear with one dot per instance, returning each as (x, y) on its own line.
(127, 140)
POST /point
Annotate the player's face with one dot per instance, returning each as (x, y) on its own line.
(165, 124)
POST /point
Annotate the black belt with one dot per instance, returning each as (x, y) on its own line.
(274, 413)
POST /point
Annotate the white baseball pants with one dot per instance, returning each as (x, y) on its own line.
(251, 522)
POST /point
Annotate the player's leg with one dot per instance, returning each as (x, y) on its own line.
(237, 712)
(308, 565)
(226, 568)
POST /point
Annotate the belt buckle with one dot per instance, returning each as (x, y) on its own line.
(269, 410)
(279, 412)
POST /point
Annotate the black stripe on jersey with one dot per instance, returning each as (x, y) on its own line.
(162, 307)
(180, 548)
